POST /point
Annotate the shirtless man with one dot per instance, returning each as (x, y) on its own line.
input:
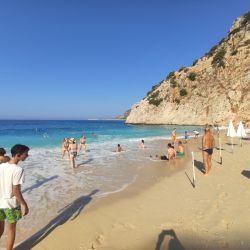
(82, 143)
(3, 158)
(207, 149)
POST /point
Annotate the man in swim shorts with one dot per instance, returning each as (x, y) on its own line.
(207, 149)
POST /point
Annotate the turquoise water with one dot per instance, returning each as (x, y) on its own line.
(48, 134)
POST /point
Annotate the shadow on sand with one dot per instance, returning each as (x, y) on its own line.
(172, 242)
(246, 173)
(199, 166)
(39, 183)
(85, 162)
(192, 182)
(65, 214)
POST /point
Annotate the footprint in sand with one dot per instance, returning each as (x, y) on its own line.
(99, 241)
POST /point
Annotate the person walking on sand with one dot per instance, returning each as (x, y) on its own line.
(173, 136)
(12, 204)
(65, 147)
(207, 149)
(72, 151)
(196, 134)
(82, 143)
(3, 158)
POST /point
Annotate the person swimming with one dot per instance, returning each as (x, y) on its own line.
(118, 149)
(142, 144)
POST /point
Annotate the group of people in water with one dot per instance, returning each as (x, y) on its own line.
(70, 147)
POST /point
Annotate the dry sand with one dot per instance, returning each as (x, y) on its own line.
(166, 211)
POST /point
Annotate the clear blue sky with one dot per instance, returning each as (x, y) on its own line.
(77, 59)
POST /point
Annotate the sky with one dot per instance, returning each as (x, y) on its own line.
(80, 59)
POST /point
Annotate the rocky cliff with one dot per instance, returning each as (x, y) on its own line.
(214, 90)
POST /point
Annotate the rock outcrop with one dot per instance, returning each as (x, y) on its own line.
(212, 91)
(124, 116)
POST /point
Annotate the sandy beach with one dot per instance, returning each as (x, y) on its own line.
(163, 209)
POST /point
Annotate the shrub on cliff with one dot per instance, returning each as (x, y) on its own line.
(155, 102)
(192, 76)
(173, 83)
(234, 52)
(218, 58)
(246, 18)
(183, 92)
(180, 69)
(247, 42)
(171, 74)
(194, 62)
(177, 101)
(155, 94)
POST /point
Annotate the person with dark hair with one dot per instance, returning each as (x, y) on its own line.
(12, 204)
(118, 149)
(171, 154)
(3, 158)
(142, 145)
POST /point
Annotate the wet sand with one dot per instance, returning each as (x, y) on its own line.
(163, 209)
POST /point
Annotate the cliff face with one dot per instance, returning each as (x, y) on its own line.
(214, 90)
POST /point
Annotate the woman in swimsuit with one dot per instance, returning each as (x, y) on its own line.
(72, 151)
(65, 146)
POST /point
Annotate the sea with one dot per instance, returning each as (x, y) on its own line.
(51, 185)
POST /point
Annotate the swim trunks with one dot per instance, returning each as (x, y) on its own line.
(180, 153)
(12, 215)
(209, 151)
(74, 154)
